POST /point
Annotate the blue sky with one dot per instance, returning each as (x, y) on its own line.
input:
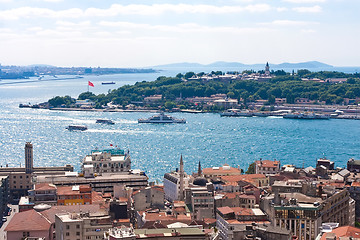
(145, 33)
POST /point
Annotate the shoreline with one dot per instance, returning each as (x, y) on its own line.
(350, 113)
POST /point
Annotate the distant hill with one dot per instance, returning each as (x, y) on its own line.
(312, 64)
(222, 64)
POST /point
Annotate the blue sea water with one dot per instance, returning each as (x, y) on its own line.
(156, 149)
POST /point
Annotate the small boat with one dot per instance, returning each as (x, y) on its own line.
(25, 105)
(236, 113)
(106, 83)
(105, 121)
(77, 127)
(161, 118)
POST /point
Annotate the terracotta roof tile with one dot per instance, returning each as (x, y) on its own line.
(30, 220)
(246, 177)
(44, 186)
(220, 170)
(345, 231)
(268, 163)
(225, 210)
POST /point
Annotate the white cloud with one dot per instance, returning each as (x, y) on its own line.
(305, 1)
(132, 9)
(281, 9)
(308, 31)
(289, 23)
(181, 28)
(314, 9)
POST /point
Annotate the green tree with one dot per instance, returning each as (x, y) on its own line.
(170, 105)
(189, 75)
(251, 169)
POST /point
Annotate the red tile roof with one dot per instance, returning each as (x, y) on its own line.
(225, 210)
(44, 186)
(268, 163)
(345, 231)
(28, 221)
(220, 170)
(355, 184)
(246, 177)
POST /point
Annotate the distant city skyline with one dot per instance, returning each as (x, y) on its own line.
(147, 33)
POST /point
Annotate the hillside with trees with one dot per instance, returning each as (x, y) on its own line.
(281, 85)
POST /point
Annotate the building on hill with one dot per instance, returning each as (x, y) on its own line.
(232, 221)
(175, 183)
(149, 197)
(106, 161)
(43, 193)
(74, 195)
(225, 170)
(258, 180)
(82, 225)
(353, 165)
(341, 233)
(267, 167)
(40, 222)
(303, 214)
(200, 199)
(267, 69)
(104, 183)
(178, 231)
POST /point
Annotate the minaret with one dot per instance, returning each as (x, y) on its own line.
(181, 190)
(199, 170)
(28, 157)
(267, 69)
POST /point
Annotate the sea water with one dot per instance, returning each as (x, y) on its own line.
(156, 148)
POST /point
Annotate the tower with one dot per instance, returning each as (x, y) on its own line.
(199, 169)
(181, 190)
(28, 157)
(267, 69)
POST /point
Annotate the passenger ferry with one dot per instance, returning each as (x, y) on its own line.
(236, 113)
(161, 118)
(309, 116)
(77, 127)
(105, 121)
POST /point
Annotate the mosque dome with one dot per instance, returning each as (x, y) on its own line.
(200, 181)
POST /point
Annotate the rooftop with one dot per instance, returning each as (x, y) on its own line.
(345, 231)
(268, 163)
(226, 169)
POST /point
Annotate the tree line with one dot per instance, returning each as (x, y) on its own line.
(282, 85)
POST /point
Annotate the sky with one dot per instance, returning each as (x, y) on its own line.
(141, 33)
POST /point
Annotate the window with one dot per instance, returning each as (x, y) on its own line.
(77, 226)
(14, 176)
(77, 233)
(67, 227)
(67, 234)
(20, 176)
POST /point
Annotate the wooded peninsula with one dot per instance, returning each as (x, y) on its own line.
(167, 93)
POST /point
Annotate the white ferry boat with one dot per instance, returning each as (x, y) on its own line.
(77, 127)
(161, 118)
(236, 113)
(298, 115)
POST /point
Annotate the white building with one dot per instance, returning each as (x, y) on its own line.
(173, 188)
(106, 161)
(267, 167)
